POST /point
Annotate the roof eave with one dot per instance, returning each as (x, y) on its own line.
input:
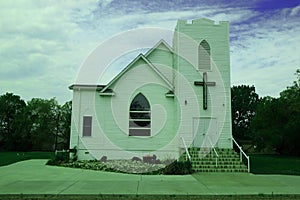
(86, 86)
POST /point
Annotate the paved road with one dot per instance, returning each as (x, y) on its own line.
(34, 177)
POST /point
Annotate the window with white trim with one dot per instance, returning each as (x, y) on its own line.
(87, 126)
(139, 116)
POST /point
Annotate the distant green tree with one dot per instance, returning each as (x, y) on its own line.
(277, 122)
(244, 101)
(23, 126)
(290, 102)
(10, 107)
(43, 125)
(63, 126)
(40, 125)
(42, 114)
(267, 124)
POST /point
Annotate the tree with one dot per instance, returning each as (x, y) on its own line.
(290, 99)
(23, 125)
(42, 114)
(244, 101)
(10, 107)
(63, 126)
(40, 125)
(267, 124)
(277, 122)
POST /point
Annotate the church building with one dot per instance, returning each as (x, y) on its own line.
(165, 102)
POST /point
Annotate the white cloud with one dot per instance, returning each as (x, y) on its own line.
(42, 43)
(295, 11)
(266, 53)
(166, 20)
(39, 45)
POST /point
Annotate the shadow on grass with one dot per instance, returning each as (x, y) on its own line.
(7, 158)
(274, 164)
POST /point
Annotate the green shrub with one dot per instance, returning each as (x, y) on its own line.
(60, 157)
(178, 168)
(74, 155)
(7, 158)
(52, 162)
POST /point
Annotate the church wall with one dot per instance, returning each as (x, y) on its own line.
(83, 104)
(162, 58)
(143, 79)
(111, 119)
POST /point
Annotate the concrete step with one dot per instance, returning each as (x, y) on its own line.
(221, 166)
(219, 160)
(204, 160)
(223, 170)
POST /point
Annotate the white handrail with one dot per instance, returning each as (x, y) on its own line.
(242, 153)
(186, 149)
(212, 146)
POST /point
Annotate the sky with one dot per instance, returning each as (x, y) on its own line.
(44, 43)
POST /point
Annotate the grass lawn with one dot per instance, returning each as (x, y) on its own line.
(147, 197)
(274, 164)
(25, 179)
(7, 158)
(32, 179)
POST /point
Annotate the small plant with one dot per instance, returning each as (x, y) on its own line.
(74, 155)
(60, 157)
(179, 168)
(133, 166)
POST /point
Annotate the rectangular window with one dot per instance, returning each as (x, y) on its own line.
(87, 126)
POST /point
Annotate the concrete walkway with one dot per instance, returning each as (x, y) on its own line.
(34, 177)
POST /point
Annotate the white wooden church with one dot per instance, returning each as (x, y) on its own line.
(166, 100)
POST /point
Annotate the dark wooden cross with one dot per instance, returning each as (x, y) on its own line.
(204, 83)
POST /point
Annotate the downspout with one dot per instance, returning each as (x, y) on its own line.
(79, 117)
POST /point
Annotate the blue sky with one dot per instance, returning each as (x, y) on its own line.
(43, 43)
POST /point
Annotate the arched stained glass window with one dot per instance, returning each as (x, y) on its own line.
(139, 116)
(204, 56)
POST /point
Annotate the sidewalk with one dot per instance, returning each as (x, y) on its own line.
(34, 177)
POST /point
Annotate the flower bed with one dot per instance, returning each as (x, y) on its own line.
(124, 166)
(127, 166)
(135, 167)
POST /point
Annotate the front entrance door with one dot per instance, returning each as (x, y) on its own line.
(204, 129)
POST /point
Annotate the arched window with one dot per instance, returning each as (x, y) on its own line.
(139, 116)
(204, 56)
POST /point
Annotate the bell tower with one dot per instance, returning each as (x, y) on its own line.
(201, 56)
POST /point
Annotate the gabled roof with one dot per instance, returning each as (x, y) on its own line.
(140, 56)
(156, 46)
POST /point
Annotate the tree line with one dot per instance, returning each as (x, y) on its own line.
(38, 125)
(269, 124)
